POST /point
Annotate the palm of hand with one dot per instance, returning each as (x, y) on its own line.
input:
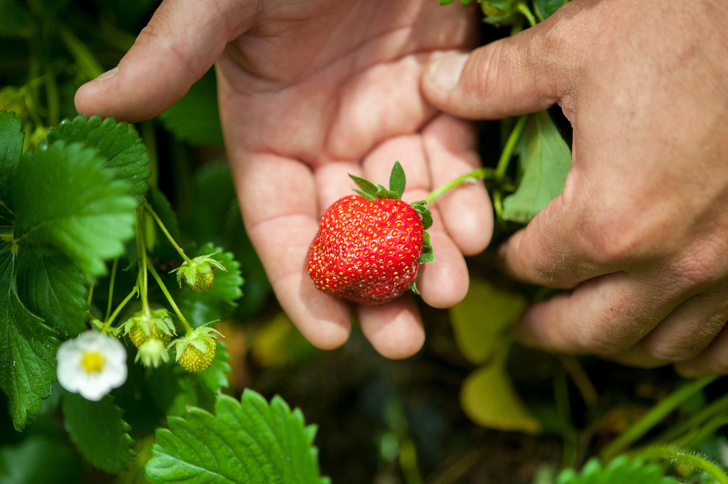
(303, 103)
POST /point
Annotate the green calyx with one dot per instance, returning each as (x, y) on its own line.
(397, 182)
(370, 191)
(158, 318)
(199, 273)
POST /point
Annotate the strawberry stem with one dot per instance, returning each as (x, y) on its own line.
(143, 280)
(110, 319)
(112, 280)
(483, 173)
(179, 314)
(471, 177)
(509, 148)
(176, 246)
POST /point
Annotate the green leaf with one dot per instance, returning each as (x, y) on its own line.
(65, 201)
(397, 180)
(220, 301)
(249, 441)
(98, 431)
(15, 21)
(482, 320)
(499, 12)
(119, 143)
(548, 7)
(11, 150)
(489, 399)
(27, 349)
(196, 118)
(174, 389)
(546, 160)
(54, 290)
(40, 459)
(421, 208)
(368, 189)
(619, 471)
(428, 254)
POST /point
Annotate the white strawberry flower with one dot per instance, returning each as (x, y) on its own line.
(91, 364)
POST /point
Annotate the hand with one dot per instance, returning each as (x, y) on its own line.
(640, 231)
(309, 92)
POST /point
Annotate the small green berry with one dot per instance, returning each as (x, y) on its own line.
(199, 273)
(194, 360)
(196, 351)
(141, 328)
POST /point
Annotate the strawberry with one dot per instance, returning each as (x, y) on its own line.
(141, 328)
(195, 360)
(369, 247)
(196, 351)
(199, 273)
(138, 336)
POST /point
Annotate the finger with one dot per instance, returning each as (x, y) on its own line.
(394, 329)
(523, 73)
(333, 182)
(712, 361)
(603, 316)
(277, 196)
(558, 247)
(466, 211)
(682, 335)
(181, 42)
(444, 282)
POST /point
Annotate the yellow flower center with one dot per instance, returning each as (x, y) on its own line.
(92, 362)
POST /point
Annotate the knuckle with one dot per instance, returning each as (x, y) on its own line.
(606, 240)
(670, 352)
(700, 266)
(587, 338)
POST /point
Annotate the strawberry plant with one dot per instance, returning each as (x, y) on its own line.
(101, 222)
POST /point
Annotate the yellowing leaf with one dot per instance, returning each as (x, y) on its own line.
(481, 321)
(489, 399)
(279, 344)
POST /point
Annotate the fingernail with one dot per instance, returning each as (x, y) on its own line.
(108, 74)
(446, 71)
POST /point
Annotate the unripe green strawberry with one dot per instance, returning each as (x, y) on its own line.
(203, 280)
(195, 360)
(141, 328)
(138, 337)
(369, 250)
(199, 273)
(196, 351)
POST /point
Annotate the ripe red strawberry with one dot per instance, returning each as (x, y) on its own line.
(369, 246)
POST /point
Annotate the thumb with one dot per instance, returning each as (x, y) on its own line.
(525, 73)
(181, 42)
